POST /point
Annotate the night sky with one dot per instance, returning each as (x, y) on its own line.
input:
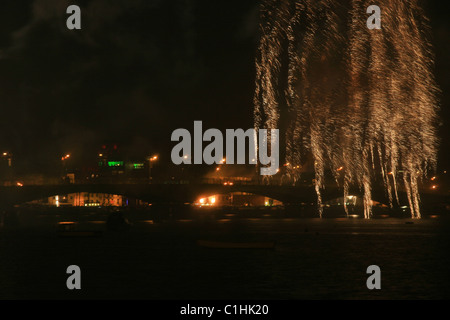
(136, 71)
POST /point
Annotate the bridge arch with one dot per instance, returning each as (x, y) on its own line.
(235, 198)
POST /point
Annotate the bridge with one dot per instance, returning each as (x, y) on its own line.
(189, 193)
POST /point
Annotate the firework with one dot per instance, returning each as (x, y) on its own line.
(359, 103)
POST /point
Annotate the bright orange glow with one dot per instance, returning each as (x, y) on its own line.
(20, 184)
(434, 187)
(433, 178)
(217, 169)
(207, 201)
(390, 173)
(340, 168)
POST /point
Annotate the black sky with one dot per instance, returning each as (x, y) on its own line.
(136, 71)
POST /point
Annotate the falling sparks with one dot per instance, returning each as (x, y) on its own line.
(357, 102)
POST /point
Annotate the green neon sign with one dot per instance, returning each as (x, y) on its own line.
(115, 163)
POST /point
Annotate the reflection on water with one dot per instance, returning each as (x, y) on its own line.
(161, 259)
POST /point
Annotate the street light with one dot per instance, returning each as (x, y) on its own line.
(151, 159)
(64, 165)
(8, 157)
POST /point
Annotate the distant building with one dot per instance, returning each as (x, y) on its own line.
(238, 174)
(113, 166)
(83, 199)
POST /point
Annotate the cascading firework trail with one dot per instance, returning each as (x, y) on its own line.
(358, 102)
